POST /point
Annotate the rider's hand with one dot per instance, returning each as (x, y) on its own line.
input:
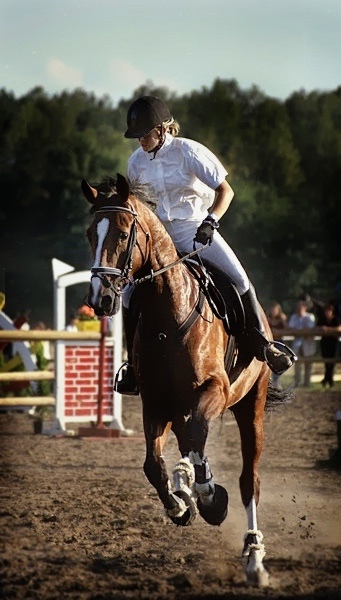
(204, 234)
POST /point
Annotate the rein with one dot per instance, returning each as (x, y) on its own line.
(153, 274)
(123, 274)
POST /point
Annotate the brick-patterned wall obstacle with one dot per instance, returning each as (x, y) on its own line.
(82, 380)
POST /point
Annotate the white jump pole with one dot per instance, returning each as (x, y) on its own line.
(63, 276)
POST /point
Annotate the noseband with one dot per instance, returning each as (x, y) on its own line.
(121, 275)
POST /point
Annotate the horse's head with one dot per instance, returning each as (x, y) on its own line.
(112, 237)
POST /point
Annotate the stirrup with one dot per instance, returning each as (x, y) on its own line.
(284, 350)
(131, 388)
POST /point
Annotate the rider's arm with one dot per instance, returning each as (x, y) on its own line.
(223, 199)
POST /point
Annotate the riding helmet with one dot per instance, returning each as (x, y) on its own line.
(144, 114)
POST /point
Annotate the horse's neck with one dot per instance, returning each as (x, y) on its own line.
(170, 292)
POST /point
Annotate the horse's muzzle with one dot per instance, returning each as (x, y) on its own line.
(105, 306)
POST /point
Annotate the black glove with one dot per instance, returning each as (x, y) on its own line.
(204, 234)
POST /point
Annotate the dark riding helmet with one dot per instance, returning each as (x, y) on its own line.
(144, 114)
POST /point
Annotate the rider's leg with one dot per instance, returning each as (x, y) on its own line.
(254, 328)
(220, 255)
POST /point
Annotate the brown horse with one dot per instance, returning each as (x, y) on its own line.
(179, 360)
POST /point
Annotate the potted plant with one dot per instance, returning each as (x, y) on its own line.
(87, 320)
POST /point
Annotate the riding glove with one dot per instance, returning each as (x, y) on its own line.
(204, 234)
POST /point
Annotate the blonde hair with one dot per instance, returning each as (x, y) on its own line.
(172, 127)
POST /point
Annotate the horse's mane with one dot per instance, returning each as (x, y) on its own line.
(107, 189)
(108, 193)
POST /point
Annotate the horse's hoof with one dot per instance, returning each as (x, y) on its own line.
(258, 579)
(188, 517)
(215, 512)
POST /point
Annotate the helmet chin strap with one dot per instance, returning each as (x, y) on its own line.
(160, 144)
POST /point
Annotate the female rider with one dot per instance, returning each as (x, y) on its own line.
(188, 185)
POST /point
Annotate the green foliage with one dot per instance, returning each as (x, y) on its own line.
(283, 160)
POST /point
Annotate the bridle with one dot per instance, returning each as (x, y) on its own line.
(121, 275)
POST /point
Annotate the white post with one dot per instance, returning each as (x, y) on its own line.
(117, 360)
(63, 276)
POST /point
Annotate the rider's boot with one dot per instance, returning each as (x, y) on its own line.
(264, 350)
(128, 384)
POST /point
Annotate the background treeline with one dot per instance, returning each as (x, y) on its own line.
(284, 163)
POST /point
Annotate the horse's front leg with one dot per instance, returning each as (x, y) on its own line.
(212, 499)
(175, 505)
(183, 472)
(249, 416)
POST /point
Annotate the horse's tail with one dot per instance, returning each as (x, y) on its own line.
(275, 398)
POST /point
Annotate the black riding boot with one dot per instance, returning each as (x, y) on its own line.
(128, 385)
(263, 350)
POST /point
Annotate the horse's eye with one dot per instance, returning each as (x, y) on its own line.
(123, 236)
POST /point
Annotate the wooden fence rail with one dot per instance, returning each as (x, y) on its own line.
(19, 335)
(316, 332)
(54, 336)
(26, 375)
(28, 401)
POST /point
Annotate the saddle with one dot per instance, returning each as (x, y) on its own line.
(222, 296)
(226, 304)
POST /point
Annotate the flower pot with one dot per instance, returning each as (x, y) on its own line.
(91, 325)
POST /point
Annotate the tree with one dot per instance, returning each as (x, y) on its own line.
(283, 160)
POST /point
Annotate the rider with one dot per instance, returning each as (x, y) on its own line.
(188, 186)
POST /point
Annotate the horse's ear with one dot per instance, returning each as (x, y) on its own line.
(122, 187)
(89, 192)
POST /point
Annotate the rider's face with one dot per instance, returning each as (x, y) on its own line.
(150, 141)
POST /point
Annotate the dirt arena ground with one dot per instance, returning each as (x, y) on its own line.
(80, 521)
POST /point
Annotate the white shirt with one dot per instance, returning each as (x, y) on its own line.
(180, 180)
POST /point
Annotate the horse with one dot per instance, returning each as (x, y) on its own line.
(179, 358)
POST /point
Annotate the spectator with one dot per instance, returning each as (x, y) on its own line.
(328, 344)
(277, 320)
(41, 349)
(276, 317)
(302, 346)
(313, 305)
(72, 323)
(337, 302)
(22, 320)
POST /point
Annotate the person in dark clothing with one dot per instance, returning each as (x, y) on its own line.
(329, 323)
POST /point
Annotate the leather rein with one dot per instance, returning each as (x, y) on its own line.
(122, 275)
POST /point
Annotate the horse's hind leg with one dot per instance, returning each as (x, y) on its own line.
(175, 505)
(249, 416)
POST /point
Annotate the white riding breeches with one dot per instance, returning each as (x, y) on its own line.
(218, 254)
